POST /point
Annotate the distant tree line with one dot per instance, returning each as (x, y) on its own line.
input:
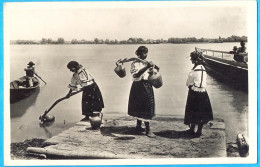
(44, 41)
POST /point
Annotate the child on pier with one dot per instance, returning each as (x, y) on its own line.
(141, 99)
(198, 108)
(91, 98)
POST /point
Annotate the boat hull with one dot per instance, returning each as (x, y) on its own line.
(231, 72)
(18, 89)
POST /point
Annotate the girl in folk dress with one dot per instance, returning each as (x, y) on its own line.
(198, 108)
(91, 98)
(141, 99)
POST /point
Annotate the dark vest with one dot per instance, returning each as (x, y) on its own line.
(29, 72)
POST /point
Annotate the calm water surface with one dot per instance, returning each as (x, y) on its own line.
(51, 60)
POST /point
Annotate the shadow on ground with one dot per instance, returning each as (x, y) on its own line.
(172, 134)
(125, 130)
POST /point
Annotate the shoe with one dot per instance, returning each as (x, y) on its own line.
(85, 119)
(151, 135)
(197, 134)
(190, 132)
(139, 129)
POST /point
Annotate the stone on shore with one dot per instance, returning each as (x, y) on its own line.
(117, 139)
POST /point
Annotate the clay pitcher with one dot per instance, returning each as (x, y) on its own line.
(96, 120)
(243, 147)
(120, 70)
(155, 78)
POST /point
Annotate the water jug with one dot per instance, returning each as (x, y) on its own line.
(243, 147)
(96, 120)
(48, 118)
(155, 78)
(120, 70)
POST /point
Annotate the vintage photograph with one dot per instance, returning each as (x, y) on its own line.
(135, 82)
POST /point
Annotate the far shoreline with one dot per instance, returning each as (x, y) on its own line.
(126, 44)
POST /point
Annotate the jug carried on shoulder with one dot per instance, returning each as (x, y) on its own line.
(154, 78)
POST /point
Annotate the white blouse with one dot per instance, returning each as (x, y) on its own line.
(81, 78)
(136, 67)
(197, 78)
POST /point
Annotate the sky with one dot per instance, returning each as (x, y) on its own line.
(122, 20)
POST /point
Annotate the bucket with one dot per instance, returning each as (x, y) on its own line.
(96, 120)
(155, 78)
(120, 70)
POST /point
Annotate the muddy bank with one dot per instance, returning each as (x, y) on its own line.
(18, 150)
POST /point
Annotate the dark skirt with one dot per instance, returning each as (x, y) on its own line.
(141, 100)
(91, 100)
(198, 108)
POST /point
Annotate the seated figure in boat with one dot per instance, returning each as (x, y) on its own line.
(242, 49)
(30, 71)
(234, 50)
(240, 54)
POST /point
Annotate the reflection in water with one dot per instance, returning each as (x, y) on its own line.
(44, 125)
(228, 81)
(231, 105)
(20, 107)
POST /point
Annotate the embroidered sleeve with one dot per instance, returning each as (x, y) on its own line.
(73, 83)
(83, 76)
(190, 80)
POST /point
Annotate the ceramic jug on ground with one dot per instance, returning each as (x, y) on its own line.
(96, 120)
(120, 70)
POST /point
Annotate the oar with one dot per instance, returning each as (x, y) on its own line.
(40, 78)
(56, 102)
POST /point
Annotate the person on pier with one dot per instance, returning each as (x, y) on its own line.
(141, 103)
(198, 109)
(91, 98)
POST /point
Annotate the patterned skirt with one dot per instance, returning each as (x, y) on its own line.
(91, 99)
(141, 100)
(198, 108)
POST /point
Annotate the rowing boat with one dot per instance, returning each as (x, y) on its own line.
(19, 89)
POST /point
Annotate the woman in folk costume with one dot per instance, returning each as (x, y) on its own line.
(141, 99)
(91, 98)
(198, 108)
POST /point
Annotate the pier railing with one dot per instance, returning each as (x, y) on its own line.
(223, 54)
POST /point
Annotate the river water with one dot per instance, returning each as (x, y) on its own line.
(173, 59)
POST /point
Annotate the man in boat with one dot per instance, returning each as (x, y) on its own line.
(30, 71)
(234, 50)
(241, 55)
(242, 49)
